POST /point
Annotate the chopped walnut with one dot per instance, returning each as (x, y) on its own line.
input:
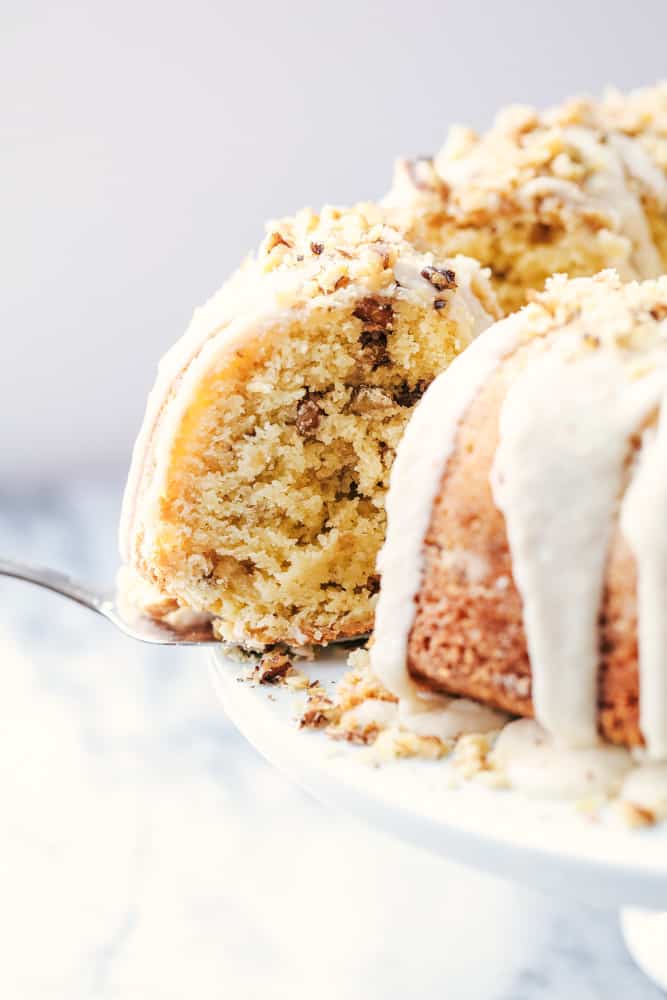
(440, 277)
(370, 399)
(317, 248)
(421, 174)
(660, 311)
(590, 340)
(320, 711)
(276, 239)
(542, 232)
(359, 683)
(374, 343)
(632, 815)
(406, 395)
(374, 312)
(381, 250)
(272, 667)
(308, 415)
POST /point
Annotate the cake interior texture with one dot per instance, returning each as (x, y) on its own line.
(272, 508)
(277, 507)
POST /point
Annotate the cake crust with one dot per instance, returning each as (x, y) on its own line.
(468, 637)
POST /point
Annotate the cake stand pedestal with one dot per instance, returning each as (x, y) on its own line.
(542, 844)
(645, 935)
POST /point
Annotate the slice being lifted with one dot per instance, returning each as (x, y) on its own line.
(257, 488)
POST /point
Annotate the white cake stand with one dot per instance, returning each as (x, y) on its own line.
(543, 844)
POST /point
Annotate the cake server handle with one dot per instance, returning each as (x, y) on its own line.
(128, 620)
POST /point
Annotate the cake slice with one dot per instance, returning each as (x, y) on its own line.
(257, 487)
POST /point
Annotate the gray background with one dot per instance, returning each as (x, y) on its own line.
(143, 145)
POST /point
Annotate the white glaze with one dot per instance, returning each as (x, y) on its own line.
(415, 478)
(644, 526)
(449, 718)
(646, 786)
(371, 712)
(609, 184)
(537, 765)
(564, 430)
(639, 165)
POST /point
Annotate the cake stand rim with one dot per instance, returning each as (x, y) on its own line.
(579, 864)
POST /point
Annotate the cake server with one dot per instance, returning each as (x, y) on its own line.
(126, 619)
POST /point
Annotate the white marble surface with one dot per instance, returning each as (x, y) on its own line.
(146, 851)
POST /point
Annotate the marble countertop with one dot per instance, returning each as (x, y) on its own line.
(146, 851)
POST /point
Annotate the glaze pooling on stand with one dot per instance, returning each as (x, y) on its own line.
(580, 440)
(538, 765)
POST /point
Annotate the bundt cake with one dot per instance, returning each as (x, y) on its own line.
(256, 493)
(525, 563)
(575, 190)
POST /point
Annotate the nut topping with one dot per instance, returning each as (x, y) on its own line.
(272, 667)
(308, 415)
(406, 396)
(374, 343)
(370, 399)
(276, 239)
(441, 278)
(374, 311)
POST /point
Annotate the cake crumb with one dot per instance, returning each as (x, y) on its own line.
(471, 754)
(394, 744)
(308, 416)
(492, 778)
(275, 667)
(632, 815)
(320, 710)
(272, 667)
